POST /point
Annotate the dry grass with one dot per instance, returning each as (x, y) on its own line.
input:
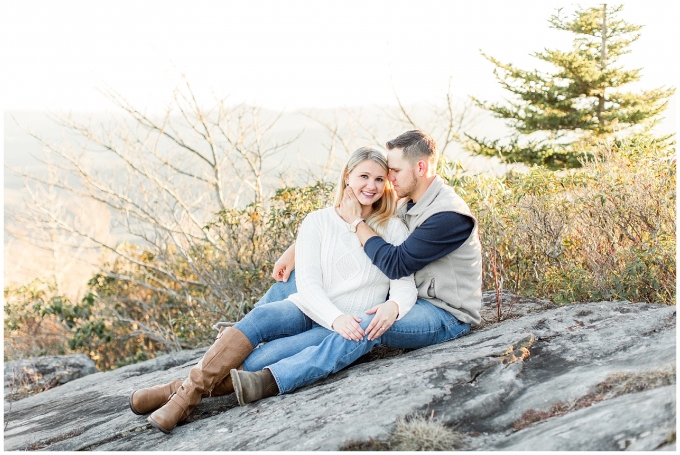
(670, 439)
(370, 445)
(622, 383)
(413, 433)
(616, 384)
(417, 433)
(26, 382)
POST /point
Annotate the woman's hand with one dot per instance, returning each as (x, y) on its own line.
(284, 265)
(348, 326)
(385, 315)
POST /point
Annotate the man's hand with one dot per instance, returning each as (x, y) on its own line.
(284, 265)
(385, 315)
(350, 208)
(347, 326)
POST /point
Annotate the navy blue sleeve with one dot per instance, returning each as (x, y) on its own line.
(439, 235)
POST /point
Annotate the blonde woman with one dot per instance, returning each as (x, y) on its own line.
(336, 285)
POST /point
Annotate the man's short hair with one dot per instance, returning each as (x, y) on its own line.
(416, 145)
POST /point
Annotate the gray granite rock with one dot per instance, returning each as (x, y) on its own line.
(481, 385)
(40, 373)
(608, 425)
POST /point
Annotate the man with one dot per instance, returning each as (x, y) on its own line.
(443, 251)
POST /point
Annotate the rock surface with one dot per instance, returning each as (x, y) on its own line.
(42, 373)
(542, 361)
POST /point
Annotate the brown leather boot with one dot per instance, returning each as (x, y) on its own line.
(226, 386)
(144, 401)
(254, 386)
(223, 388)
(225, 354)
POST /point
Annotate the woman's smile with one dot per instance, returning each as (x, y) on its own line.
(367, 180)
(368, 194)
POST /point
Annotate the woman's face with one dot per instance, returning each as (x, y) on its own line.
(367, 180)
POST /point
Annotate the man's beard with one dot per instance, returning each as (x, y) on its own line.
(408, 191)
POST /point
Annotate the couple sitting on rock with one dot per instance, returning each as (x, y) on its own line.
(333, 308)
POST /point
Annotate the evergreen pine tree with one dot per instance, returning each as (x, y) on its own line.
(554, 114)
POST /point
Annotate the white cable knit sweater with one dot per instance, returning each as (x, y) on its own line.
(334, 276)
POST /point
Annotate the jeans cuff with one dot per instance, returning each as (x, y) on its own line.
(276, 378)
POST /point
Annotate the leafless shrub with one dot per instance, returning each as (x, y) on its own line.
(165, 178)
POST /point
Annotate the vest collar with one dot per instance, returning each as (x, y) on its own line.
(428, 196)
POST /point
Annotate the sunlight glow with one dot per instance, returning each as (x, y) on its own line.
(288, 54)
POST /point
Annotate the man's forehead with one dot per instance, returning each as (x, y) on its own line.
(395, 157)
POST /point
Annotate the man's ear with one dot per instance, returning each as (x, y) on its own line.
(422, 167)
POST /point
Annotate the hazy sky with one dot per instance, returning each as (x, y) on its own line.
(291, 54)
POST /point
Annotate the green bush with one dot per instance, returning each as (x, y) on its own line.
(603, 232)
(29, 331)
(39, 321)
(124, 319)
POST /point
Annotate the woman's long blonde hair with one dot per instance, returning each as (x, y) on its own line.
(385, 207)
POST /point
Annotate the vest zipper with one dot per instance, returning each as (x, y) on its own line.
(430, 289)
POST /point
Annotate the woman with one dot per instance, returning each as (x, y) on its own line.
(336, 282)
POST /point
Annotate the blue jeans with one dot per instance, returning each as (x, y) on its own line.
(283, 328)
(424, 325)
(279, 291)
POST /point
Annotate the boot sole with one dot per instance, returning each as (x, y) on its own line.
(148, 419)
(132, 407)
(238, 390)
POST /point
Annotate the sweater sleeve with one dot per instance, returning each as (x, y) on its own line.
(438, 236)
(403, 290)
(313, 300)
